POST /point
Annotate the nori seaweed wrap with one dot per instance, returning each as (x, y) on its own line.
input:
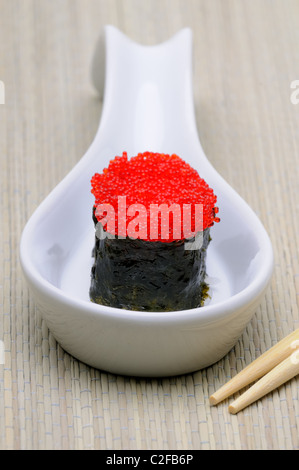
(150, 273)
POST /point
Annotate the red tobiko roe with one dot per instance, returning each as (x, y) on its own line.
(147, 181)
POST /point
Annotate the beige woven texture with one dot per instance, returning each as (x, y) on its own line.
(246, 54)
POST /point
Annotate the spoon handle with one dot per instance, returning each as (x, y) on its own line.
(148, 93)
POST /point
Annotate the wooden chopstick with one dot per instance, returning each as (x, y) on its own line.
(283, 372)
(259, 367)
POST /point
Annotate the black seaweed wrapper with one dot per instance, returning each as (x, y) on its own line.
(144, 275)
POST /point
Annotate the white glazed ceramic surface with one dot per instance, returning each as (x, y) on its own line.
(148, 105)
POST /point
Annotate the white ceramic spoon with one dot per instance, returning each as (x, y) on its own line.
(148, 105)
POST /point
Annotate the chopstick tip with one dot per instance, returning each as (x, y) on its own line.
(232, 409)
(213, 400)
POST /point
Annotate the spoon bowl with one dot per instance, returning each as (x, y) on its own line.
(148, 105)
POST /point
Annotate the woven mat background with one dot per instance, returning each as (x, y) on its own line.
(246, 54)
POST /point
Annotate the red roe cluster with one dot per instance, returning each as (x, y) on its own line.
(152, 179)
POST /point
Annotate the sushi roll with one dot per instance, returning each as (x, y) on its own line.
(152, 215)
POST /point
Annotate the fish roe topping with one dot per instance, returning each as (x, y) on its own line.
(153, 196)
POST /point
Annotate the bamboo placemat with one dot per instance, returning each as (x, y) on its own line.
(246, 54)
